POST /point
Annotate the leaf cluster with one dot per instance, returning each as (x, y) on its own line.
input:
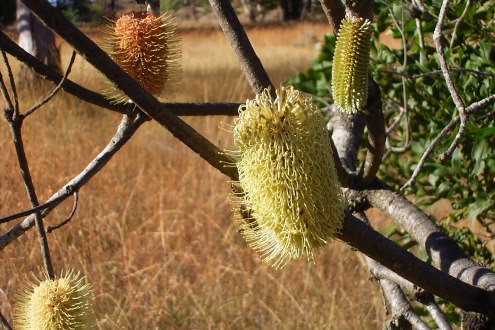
(416, 98)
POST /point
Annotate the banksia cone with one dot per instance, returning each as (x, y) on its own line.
(146, 47)
(350, 65)
(291, 195)
(59, 304)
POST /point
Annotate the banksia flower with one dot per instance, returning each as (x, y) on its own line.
(146, 47)
(291, 200)
(59, 304)
(350, 64)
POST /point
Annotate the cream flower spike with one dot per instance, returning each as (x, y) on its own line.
(291, 196)
(147, 48)
(350, 64)
(60, 304)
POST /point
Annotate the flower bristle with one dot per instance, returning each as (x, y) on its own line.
(350, 64)
(59, 304)
(147, 48)
(291, 198)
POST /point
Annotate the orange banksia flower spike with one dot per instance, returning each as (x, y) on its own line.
(147, 48)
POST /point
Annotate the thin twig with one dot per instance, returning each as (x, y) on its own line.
(458, 22)
(55, 90)
(437, 39)
(428, 300)
(49, 229)
(124, 132)
(400, 306)
(436, 72)
(12, 84)
(38, 208)
(476, 106)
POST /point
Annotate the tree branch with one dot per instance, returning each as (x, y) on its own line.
(335, 13)
(179, 109)
(474, 107)
(250, 63)
(55, 91)
(376, 133)
(405, 264)
(445, 253)
(125, 131)
(437, 39)
(400, 306)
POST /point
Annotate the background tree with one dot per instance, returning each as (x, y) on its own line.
(37, 40)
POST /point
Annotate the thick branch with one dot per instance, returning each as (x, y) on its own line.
(376, 133)
(405, 264)
(445, 253)
(146, 102)
(250, 63)
(124, 132)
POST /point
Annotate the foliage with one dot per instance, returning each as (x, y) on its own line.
(466, 178)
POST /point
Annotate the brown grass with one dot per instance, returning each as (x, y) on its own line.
(153, 231)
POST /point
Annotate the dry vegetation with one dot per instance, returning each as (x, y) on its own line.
(153, 232)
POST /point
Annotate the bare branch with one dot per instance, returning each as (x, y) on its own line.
(360, 8)
(400, 305)
(437, 39)
(432, 307)
(405, 264)
(12, 84)
(125, 131)
(250, 63)
(445, 253)
(55, 91)
(376, 133)
(15, 123)
(5, 92)
(335, 12)
(49, 229)
(21, 214)
(458, 22)
(474, 107)
(146, 102)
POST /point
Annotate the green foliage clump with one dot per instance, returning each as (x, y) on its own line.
(466, 178)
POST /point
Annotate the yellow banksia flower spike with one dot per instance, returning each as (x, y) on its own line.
(291, 198)
(147, 48)
(350, 64)
(60, 304)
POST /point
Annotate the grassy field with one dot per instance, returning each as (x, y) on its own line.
(153, 232)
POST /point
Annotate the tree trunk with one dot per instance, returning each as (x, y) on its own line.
(37, 40)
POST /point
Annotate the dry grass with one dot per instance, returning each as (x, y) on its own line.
(153, 232)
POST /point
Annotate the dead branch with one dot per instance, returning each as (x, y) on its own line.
(49, 229)
(125, 131)
(55, 90)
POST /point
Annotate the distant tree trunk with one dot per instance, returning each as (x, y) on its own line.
(37, 40)
(249, 9)
(291, 9)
